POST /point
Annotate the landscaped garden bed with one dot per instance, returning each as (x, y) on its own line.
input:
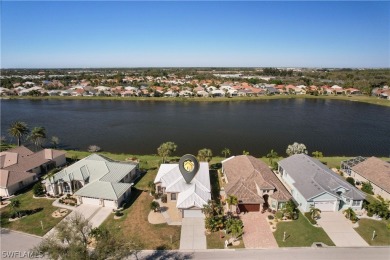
(68, 200)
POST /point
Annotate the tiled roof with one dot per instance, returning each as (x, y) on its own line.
(18, 161)
(376, 171)
(246, 175)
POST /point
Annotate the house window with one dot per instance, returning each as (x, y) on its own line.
(173, 196)
(356, 203)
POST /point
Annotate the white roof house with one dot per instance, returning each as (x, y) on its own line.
(193, 194)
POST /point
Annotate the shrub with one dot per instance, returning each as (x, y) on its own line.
(164, 198)
(154, 205)
(370, 214)
(367, 187)
(308, 216)
(94, 149)
(38, 189)
(270, 217)
(351, 180)
(72, 204)
(118, 213)
(279, 215)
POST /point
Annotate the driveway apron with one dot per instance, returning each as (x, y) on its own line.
(340, 230)
(192, 234)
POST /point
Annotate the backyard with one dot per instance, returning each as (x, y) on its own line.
(32, 223)
(134, 224)
(300, 233)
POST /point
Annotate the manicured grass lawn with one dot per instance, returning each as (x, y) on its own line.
(134, 225)
(32, 223)
(382, 233)
(214, 241)
(300, 233)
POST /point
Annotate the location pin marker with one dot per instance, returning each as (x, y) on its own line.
(189, 167)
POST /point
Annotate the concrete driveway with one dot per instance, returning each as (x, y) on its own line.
(340, 230)
(193, 235)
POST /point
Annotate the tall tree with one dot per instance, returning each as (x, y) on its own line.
(317, 154)
(55, 141)
(18, 129)
(231, 200)
(166, 149)
(38, 134)
(314, 212)
(296, 148)
(205, 155)
(225, 152)
(71, 239)
(272, 155)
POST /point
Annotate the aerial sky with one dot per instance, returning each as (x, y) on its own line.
(85, 34)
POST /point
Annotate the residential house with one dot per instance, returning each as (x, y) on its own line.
(372, 170)
(189, 198)
(313, 184)
(20, 167)
(253, 183)
(95, 180)
(217, 93)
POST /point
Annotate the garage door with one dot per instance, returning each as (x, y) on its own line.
(249, 207)
(90, 201)
(193, 213)
(325, 205)
(110, 204)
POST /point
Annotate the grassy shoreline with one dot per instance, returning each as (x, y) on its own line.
(362, 99)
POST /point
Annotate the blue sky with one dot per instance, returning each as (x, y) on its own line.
(223, 34)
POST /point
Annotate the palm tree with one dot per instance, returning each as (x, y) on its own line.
(55, 141)
(225, 152)
(314, 212)
(232, 200)
(272, 155)
(245, 152)
(15, 204)
(236, 228)
(37, 135)
(18, 129)
(350, 213)
(205, 155)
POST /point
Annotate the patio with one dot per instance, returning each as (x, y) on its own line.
(168, 214)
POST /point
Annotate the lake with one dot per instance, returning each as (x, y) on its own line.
(139, 127)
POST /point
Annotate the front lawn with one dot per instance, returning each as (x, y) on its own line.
(134, 225)
(216, 240)
(382, 233)
(300, 233)
(32, 223)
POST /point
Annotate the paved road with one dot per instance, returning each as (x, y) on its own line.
(333, 253)
(15, 245)
(340, 230)
(192, 234)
